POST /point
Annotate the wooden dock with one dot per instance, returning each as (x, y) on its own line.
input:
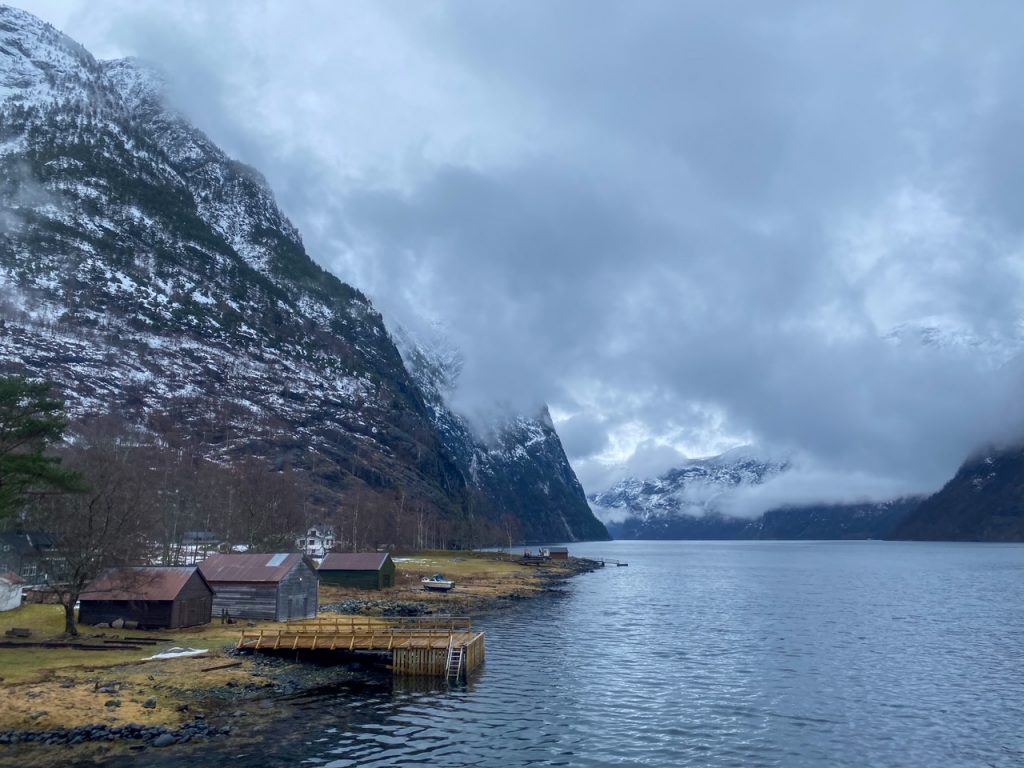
(603, 561)
(436, 646)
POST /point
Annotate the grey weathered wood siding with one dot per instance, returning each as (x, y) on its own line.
(194, 604)
(245, 600)
(298, 593)
(382, 578)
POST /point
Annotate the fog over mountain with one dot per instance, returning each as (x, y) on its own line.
(685, 227)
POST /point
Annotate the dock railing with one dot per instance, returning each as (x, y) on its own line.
(419, 645)
(377, 624)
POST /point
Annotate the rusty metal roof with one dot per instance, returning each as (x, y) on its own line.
(269, 567)
(143, 583)
(354, 561)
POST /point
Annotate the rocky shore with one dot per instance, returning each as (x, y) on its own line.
(148, 736)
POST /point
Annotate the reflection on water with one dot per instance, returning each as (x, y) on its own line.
(720, 654)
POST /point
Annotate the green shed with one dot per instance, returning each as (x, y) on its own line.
(363, 570)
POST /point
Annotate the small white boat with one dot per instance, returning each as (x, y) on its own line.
(437, 583)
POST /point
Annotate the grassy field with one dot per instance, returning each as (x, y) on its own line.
(47, 687)
(459, 565)
(483, 580)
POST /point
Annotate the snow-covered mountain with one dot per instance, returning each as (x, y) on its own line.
(693, 502)
(149, 274)
(946, 333)
(697, 488)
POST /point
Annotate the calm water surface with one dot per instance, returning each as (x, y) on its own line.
(718, 654)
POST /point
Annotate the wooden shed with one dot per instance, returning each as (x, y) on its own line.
(155, 597)
(362, 570)
(558, 553)
(276, 587)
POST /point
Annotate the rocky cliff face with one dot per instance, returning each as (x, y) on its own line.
(148, 274)
(983, 502)
(519, 468)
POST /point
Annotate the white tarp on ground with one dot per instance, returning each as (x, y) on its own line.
(177, 653)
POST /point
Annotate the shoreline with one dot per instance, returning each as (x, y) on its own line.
(118, 706)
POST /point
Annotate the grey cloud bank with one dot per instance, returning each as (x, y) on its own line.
(683, 225)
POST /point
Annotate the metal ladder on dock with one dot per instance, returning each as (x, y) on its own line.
(456, 661)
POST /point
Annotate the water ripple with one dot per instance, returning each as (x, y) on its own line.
(719, 654)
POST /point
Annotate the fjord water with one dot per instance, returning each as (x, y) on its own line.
(717, 654)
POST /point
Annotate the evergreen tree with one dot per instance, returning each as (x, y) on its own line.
(30, 420)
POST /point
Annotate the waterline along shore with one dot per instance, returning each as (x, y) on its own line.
(104, 701)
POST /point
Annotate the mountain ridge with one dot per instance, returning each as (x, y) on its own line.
(983, 501)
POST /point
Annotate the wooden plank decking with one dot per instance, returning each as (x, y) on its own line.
(418, 646)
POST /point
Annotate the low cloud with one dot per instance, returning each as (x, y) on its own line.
(805, 486)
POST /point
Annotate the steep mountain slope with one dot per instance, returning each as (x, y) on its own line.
(690, 502)
(148, 274)
(520, 468)
(983, 502)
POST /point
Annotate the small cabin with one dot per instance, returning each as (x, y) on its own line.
(274, 587)
(155, 597)
(558, 553)
(360, 570)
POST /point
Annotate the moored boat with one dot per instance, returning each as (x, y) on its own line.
(437, 583)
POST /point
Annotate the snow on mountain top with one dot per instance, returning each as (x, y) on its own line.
(746, 453)
(946, 333)
(36, 59)
(696, 487)
(140, 84)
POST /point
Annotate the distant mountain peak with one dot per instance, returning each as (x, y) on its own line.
(692, 501)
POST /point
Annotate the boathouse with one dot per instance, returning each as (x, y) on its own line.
(154, 597)
(361, 570)
(276, 587)
(558, 553)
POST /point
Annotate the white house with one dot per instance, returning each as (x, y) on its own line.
(318, 541)
(10, 591)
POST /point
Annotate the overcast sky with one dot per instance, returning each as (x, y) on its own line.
(684, 225)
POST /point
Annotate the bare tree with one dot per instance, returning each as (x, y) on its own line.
(511, 528)
(100, 528)
(267, 504)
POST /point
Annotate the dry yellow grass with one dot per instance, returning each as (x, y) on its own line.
(19, 665)
(71, 697)
(459, 565)
(481, 580)
(63, 682)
